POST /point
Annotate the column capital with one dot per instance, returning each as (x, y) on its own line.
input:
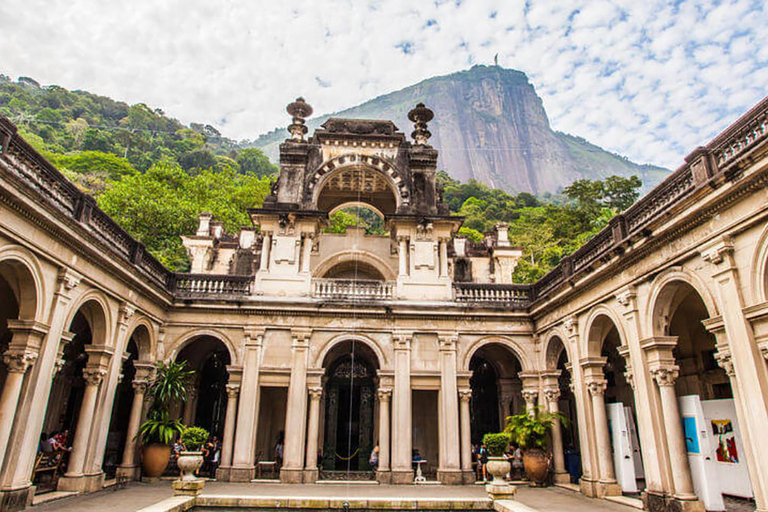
(19, 360)
(94, 376)
(627, 298)
(448, 341)
(315, 392)
(384, 394)
(465, 395)
(300, 337)
(143, 370)
(629, 376)
(764, 351)
(596, 386)
(665, 376)
(140, 386)
(401, 340)
(552, 394)
(725, 361)
(68, 280)
(571, 326)
(232, 390)
(530, 396)
(126, 311)
(27, 334)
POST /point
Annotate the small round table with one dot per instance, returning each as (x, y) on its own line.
(419, 475)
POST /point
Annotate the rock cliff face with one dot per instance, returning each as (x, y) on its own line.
(491, 126)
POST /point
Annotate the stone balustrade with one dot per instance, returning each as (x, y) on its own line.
(210, 285)
(513, 295)
(349, 289)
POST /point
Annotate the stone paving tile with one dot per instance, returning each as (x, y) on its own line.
(555, 499)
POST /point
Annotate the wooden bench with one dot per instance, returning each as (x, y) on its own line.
(48, 463)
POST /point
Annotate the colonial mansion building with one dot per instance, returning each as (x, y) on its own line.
(652, 338)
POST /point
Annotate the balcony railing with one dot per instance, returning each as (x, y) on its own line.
(210, 285)
(349, 289)
(514, 295)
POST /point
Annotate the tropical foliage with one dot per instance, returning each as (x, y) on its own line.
(168, 386)
(530, 430)
(193, 438)
(496, 443)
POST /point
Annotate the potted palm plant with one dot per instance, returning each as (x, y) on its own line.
(530, 431)
(168, 386)
(498, 466)
(191, 457)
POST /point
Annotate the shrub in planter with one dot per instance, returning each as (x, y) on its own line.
(498, 466)
(530, 431)
(190, 460)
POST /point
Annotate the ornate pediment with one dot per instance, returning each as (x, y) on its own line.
(359, 126)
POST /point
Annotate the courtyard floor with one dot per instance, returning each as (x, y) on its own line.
(138, 495)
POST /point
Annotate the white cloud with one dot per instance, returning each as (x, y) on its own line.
(650, 80)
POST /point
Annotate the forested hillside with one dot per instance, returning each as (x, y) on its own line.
(154, 175)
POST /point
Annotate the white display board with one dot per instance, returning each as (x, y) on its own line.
(620, 424)
(715, 451)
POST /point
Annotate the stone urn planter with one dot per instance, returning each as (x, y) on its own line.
(498, 467)
(536, 464)
(155, 459)
(189, 463)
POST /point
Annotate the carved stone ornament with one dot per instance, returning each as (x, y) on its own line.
(597, 387)
(465, 395)
(94, 376)
(299, 110)
(359, 126)
(233, 390)
(19, 361)
(626, 297)
(725, 361)
(552, 395)
(69, 279)
(666, 377)
(629, 376)
(420, 115)
(140, 386)
(384, 394)
(570, 325)
(315, 393)
(530, 396)
(715, 252)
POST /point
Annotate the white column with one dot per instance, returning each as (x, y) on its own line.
(134, 422)
(449, 463)
(190, 406)
(385, 395)
(17, 363)
(402, 471)
(306, 252)
(93, 378)
(552, 396)
(443, 258)
(296, 413)
(245, 430)
(313, 431)
(530, 396)
(402, 254)
(266, 247)
(596, 389)
(228, 440)
(466, 431)
(678, 454)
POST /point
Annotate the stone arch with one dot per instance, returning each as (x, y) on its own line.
(663, 298)
(377, 170)
(94, 305)
(554, 345)
(600, 321)
(142, 332)
(507, 343)
(190, 336)
(759, 269)
(349, 256)
(325, 350)
(355, 204)
(27, 283)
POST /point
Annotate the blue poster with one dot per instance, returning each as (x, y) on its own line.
(691, 438)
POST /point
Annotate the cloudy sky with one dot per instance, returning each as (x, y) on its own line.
(648, 79)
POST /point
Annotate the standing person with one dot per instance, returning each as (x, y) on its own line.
(517, 463)
(279, 447)
(482, 456)
(374, 460)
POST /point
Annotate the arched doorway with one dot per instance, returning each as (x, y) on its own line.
(613, 409)
(715, 461)
(350, 384)
(207, 402)
(496, 389)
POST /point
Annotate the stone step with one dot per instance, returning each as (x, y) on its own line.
(626, 500)
(48, 497)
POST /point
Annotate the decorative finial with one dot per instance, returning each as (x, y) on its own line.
(300, 110)
(420, 116)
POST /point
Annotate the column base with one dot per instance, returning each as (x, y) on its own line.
(608, 489)
(311, 476)
(384, 477)
(588, 487)
(562, 478)
(450, 476)
(188, 487)
(468, 476)
(685, 505)
(655, 501)
(128, 472)
(242, 474)
(223, 474)
(81, 483)
(16, 499)
(402, 476)
(291, 475)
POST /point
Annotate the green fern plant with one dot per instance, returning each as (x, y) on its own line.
(531, 430)
(193, 438)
